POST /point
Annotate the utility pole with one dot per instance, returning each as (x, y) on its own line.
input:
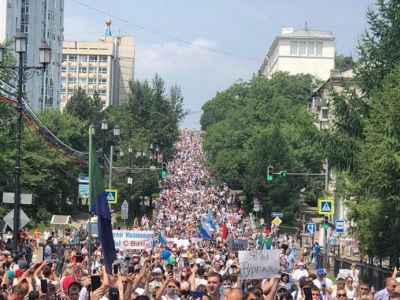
(325, 255)
(111, 166)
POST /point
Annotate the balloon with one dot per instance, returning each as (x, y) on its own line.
(165, 254)
(171, 260)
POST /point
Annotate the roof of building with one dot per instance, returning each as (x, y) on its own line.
(307, 33)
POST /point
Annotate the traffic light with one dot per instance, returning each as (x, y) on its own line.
(164, 172)
(270, 174)
(283, 174)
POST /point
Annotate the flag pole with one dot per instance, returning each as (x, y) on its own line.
(91, 132)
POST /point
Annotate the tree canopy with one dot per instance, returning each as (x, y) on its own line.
(259, 123)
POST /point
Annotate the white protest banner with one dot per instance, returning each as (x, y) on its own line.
(133, 240)
(179, 243)
(259, 264)
(238, 245)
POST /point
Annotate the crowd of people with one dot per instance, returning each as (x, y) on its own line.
(205, 268)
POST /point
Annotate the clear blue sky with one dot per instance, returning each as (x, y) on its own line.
(205, 46)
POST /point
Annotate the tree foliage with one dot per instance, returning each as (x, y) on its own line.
(149, 116)
(378, 48)
(364, 143)
(85, 107)
(378, 177)
(258, 123)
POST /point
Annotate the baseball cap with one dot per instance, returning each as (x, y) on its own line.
(67, 282)
(320, 272)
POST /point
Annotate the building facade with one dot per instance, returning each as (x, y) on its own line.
(105, 67)
(301, 52)
(40, 20)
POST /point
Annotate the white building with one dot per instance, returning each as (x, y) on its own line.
(301, 52)
(105, 67)
(41, 20)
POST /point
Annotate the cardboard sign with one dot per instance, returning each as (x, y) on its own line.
(133, 240)
(238, 245)
(259, 264)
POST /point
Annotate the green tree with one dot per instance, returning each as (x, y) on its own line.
(84, 107)
(258, 123)
(343, 63)
(378, 48)
(377, 205)
(149, 115)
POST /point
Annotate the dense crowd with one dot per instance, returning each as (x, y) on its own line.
(205, 268)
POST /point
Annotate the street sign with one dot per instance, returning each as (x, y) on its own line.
(23, 219)
(326, 207)
(83, 179)
(277, 221)
(112, 196)
(83, 190)
(124, 210)
(25, 198)
(311, 228)
(333, 241)
(339, 225)
(277, 214)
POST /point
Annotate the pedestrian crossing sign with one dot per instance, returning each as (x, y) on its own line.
(326, 207)
(112, 196)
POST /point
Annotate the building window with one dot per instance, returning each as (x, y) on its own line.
(73, 57)
(93, 58)
(64, 57)
(82, 81)
(72, 80)
(303, 48)
(92, 70)
(294, 48)
(72, 70)
(311, 48)
(90, 92)
(324, 113)
(64, 69)
(103, 81)
(103, 58)
(103, 70)
(92, 81)
(102, 92)
(83, 58)
(319, 48)
(82, 70)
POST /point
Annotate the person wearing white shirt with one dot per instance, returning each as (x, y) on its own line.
(299, 272)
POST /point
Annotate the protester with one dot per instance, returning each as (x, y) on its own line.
(190, 256)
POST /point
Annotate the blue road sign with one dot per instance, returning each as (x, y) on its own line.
(339, 225)
(311, 227)
(326, 206)
(277, 214)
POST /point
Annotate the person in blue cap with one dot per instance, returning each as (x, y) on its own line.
(323, 280)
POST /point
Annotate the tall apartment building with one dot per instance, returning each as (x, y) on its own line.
(41, 20)
(106, 66)
(305, 51)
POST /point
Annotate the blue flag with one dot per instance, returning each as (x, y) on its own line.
(99, 206)
(162, 239)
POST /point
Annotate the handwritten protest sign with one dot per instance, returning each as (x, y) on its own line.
(133, 240)
(238, 245)
(259, 264)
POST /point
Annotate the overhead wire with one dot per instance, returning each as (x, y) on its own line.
(159, 33)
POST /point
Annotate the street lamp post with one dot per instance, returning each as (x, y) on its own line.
(116, 133)
(22, 72)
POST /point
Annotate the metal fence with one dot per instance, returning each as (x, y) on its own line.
(373, 274)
